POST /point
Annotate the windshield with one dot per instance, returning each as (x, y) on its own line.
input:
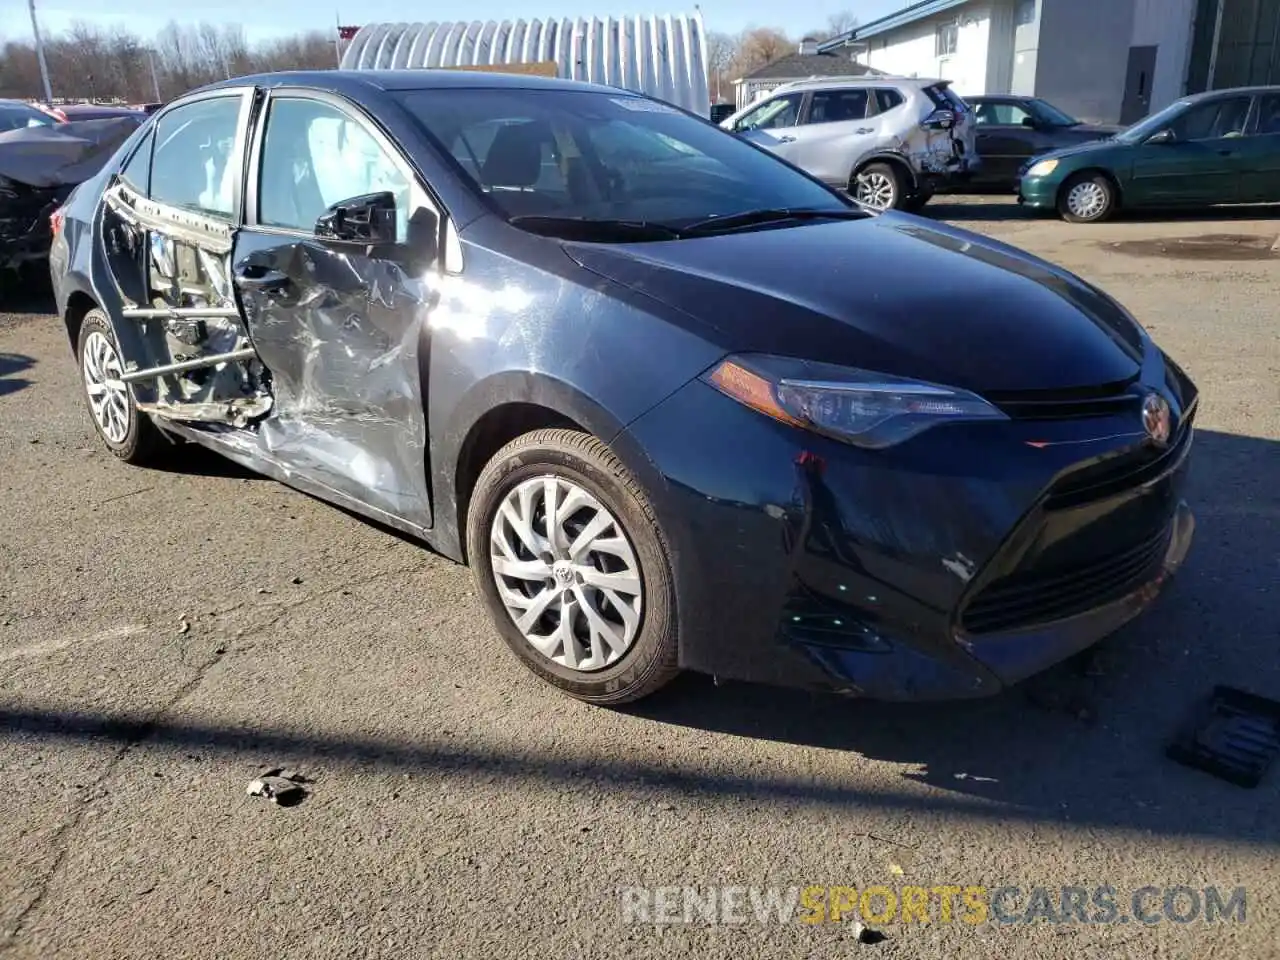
(1048, 113)
(1153, 124)
(18, 116)
(607, 157)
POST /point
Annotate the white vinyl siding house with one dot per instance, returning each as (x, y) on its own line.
(1098, 59)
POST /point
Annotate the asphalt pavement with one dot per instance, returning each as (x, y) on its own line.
(166, 636)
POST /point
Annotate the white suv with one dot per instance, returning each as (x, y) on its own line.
(888, 141)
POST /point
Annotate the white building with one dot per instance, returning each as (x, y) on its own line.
(1101, 60)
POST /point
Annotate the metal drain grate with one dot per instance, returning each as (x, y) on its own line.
(1234, 735)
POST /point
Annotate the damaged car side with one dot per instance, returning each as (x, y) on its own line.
(891, 142)
(626, 367)
(41, 162)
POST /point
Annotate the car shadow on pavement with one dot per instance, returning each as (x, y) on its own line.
(10, 364)
(1085, 740)
(1081, 745)
(997, 208)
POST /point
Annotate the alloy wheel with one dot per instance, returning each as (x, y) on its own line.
(1087, 199)
(566, 573)
(875, 190)
(108, 394)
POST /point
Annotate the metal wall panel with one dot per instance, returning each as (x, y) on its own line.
(662, 56)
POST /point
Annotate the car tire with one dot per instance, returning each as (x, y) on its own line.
(642, 656)
(878, 186)
(127, 432)
(1088, 197)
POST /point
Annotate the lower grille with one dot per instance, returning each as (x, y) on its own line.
(1028, 599)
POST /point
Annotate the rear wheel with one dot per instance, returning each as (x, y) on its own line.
(878, 186)
(1088, 197)
(572, 564)
(127, 433)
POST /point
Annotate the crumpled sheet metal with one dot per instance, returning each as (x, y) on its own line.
(68, 153)
(345, 366)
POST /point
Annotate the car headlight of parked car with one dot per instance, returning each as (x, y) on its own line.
(866, 409)
(1043, 168)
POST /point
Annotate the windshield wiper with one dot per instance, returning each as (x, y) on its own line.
(586, 228)
(751, 218)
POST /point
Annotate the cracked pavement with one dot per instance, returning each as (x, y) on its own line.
(156, 654)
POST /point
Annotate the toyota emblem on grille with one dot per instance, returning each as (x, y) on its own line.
(1157, 418)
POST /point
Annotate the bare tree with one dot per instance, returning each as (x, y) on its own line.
(86, 62)
(760, 45)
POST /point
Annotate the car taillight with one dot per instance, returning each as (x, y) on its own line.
(55, 221)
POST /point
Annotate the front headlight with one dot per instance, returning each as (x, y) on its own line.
(1043, 168)
(866, 409)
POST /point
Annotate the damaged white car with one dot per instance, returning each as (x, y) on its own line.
(889, 141)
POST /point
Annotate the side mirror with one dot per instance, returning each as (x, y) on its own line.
(368, 219)
(1030, 122)
(1164, 136)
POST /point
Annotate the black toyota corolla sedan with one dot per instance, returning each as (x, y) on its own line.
(678, 405)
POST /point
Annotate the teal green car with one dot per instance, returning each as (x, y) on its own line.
(1212, 148)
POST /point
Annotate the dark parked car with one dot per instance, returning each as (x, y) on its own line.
(678, 404)
(1213, 148)
(1012, 130)
(41, 161)
(100, 111)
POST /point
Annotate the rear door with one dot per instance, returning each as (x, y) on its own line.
(169, 223)
(836, 128)
(773, 123)
(1205, 163)
(1005, 140)
(340, 323)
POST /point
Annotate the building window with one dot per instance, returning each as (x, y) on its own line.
(947, 39)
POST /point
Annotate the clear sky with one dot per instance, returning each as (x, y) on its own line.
(276, 17)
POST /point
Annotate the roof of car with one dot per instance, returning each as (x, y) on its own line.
(350, 81)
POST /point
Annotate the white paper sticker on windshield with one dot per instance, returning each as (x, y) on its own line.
(641, 105)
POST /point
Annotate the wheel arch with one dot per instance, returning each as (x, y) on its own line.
(79, 304)
(897, 160)
(493, 413)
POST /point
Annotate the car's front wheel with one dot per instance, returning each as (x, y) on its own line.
(572, 564)
(1088, 197)
(127, 433)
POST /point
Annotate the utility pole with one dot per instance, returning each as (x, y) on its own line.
(155, 78)
(44, 67)
(337, 36)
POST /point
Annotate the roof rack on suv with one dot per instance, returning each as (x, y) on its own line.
(868, 78)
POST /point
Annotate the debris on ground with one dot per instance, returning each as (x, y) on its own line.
(974, 777)
(281, 786)
(296, 580)
(1233, 734)
(183, 626)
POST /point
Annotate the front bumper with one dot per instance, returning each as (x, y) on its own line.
(953, 566)
(1039, 193)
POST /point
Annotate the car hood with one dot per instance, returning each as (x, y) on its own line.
(896, 294)
(1092, 148)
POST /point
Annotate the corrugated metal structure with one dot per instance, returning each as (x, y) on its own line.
(1237, 44)
(663, 56)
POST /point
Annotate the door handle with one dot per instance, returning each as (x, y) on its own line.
(1226, 153)
(786, 139)
(865, 130)
(262, 279)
